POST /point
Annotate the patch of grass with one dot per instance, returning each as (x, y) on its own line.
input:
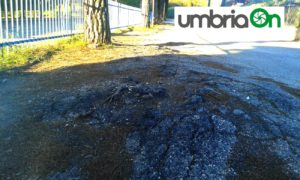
(15, 57)
(24, 57)
(74, 51)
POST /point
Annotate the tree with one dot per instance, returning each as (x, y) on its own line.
(97, 27)
(166, 8)
(297, 38)
(145, 12)
(161, 6)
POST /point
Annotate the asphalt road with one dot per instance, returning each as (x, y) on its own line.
(265, 53)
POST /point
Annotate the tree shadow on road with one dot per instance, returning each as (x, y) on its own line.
(81, 128)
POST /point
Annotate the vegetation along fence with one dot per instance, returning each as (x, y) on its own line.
(27, 21)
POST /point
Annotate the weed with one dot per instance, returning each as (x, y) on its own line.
(18, 56)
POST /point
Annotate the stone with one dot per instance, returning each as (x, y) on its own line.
(201, 110)
(246, 117)
(238, 112)
(254, 130)
(282, 149)
(94, 123)
(71, 173)
(133, 143)
(223, 126)
(195, 99)
(291, 129)
(222, 109)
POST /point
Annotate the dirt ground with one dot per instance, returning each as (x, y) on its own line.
(141, 110)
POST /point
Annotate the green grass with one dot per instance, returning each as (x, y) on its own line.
(23, 56)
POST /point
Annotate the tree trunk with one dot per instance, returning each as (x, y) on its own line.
(161, 11)
(166, 8)
(97, 28)
(297, 38)
(154, 12)
(145, 12)
(157, 8)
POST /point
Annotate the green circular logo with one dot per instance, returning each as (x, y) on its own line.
(259, 17)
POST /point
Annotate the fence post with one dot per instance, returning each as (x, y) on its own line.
(42, 17)
(48, 17)
(26, 17)
(39, 14)
(12, 18)
(31, 22)
(22, 20)
(59, 17)
(53, 16)
(70, 16)
(6, 19)
(17, 18)
(1, 30)
(35, 17)
(118, 14)
(62, 18)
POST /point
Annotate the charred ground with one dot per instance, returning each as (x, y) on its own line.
(159, 116)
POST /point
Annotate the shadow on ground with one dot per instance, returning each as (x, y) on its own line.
(165, 116)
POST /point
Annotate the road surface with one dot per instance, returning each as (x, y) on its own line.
(157, 105)
(271, 54)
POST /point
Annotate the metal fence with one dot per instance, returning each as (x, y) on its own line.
(122, 15)
(26, 21)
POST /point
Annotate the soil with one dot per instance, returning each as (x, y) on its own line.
(132, 111)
